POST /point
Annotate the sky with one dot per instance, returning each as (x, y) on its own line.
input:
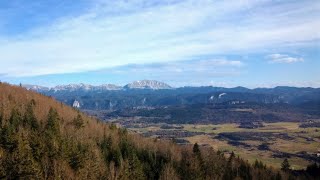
(263, 43)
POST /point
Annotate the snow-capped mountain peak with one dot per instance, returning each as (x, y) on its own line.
(73, 87)
(147, 84)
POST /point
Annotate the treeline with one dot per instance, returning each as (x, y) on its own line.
(60, 146)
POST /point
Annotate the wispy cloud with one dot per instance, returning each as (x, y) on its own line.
(283, 58)
(184, 67)
(116, 33)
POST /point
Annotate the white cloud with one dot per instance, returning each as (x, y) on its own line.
(283, 58)
(126, 32)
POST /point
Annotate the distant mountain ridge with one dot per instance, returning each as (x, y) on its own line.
(147, 84)
(150, 93)
(157, 85)
(142, 84)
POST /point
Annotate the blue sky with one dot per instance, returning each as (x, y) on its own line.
(193, 42)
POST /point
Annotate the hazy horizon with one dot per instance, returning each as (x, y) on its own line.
(187, 85)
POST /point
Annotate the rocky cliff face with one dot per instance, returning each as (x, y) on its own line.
(76, 104)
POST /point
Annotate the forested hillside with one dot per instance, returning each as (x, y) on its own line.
(45, 139)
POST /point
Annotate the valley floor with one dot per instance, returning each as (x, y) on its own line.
(271, 143)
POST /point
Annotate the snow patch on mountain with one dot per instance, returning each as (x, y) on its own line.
(222, 94)
(109, 87)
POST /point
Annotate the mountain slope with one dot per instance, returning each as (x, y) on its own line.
(44, 139)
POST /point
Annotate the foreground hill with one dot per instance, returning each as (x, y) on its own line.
(45, 139)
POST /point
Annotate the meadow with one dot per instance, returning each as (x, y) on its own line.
(271, 143)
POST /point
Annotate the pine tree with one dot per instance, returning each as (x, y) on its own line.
(20, 164)
(77, 156)
(135, 168)
(53, 127)
(15, 120)
(115, 156)
(259, 165)
(285, 166)
(244, 171)
(8, 139)
(196, 148)
(37, 145)
(231, 157)
(105, 147)
(78, 122)
(52, 131)
(30, 119)
(256, 164)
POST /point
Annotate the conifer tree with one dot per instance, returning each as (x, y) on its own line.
(135, 168)
(52, 131)
(77, 156)
(8, 138)
(15, 120)
(285, 166)
(52, 126)
(78, 121)
(231, 157)
(196, 148)
(20, 164)
(30, 119)
(37, 145)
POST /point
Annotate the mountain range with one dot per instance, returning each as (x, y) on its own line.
(153, 93)
(143, 84)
